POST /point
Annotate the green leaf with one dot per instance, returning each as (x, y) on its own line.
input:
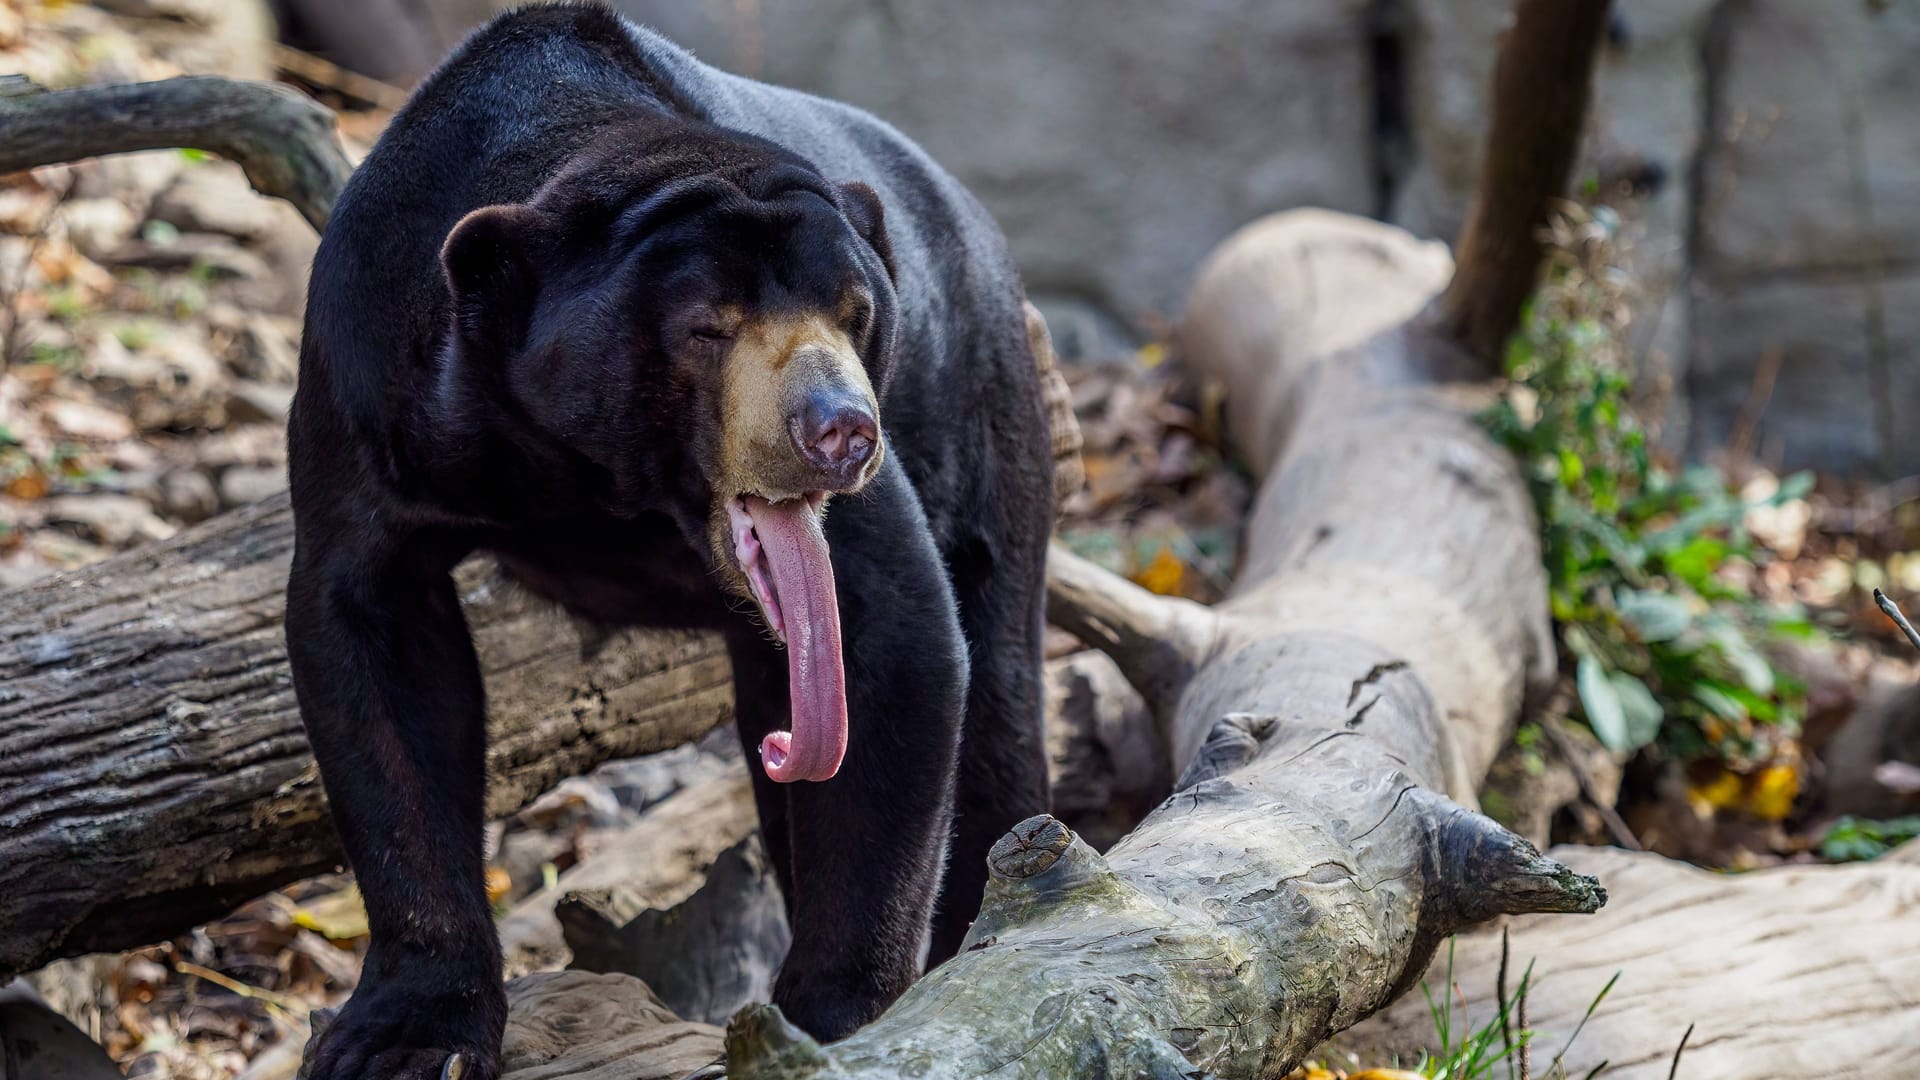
(1654, 616)
(1641, 713)
(1601, 701)
(1695, 561)
(1797, 486)
(1720, 701)
(1745, 660)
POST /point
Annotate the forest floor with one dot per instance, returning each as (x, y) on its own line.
(149, 326)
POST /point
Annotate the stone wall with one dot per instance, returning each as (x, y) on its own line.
(1116, 141)
(1773, 148)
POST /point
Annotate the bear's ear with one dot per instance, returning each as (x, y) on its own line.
(491, 258)
(862, 206)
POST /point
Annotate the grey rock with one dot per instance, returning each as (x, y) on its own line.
(214, 197)
(638, 783)
(188, 495)
(253, 400)
(96, 227)
(246, 484)
(1116, 143)
(1084, 332)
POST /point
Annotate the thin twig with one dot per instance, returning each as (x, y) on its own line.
(1899, 617)
(10, 294)
(226, 982)
(1677, 1051)
(1589, 790)
(326, 73)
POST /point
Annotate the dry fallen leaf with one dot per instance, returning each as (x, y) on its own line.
(29, 485)
(337, 916)
(499, 883)
(1164, 575)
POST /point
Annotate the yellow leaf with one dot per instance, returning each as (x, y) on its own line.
(1164, 575)
(1773, 791)
(1385, 1074)
(1151, 355)
(1312, 1070)
(1721, 792)
(336, 916)
(499, 882)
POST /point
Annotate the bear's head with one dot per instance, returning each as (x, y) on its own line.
(697, 324)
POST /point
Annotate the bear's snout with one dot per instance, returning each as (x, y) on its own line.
(834, 431)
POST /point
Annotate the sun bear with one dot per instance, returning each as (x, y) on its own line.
(678, 349)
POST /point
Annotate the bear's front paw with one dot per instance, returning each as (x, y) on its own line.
(411, 1029)
(827, 1009)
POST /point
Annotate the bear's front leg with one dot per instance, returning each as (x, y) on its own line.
(392, 698)
(866, 848)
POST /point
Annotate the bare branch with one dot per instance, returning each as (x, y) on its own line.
(1899, 617)
(284, 140)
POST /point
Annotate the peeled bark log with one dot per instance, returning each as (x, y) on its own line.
(153, 767)
(1791, 971)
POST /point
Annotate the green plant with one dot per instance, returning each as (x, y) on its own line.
(1479, 1049)
(1665, 648)
(1503, 1038)
(1852, 839)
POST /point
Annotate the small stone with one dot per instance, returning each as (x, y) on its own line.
(252, 401)
(96, 227)
(213, 197)
(114, 520)
(246, 484)
(189, 495)
(84, 420)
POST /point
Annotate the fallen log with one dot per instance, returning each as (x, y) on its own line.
(153, 768)
(1790, 971)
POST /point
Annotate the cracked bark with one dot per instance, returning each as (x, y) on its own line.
(153, 767)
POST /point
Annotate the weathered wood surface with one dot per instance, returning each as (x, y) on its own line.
(283, 139)
(653, 864)
(574, 1025)
(1790, 972)
(153, 768)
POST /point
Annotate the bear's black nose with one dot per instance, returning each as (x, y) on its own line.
(835, 432)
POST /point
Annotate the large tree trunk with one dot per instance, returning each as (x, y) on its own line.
(153, 768)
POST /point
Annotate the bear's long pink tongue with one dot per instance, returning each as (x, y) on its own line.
(796, 553)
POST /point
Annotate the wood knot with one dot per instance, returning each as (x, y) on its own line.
(1030, 848)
